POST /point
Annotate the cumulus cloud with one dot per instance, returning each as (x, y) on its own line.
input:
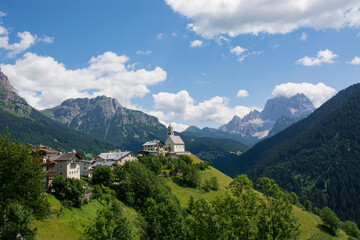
(181, 106)
(147, 52)
(26, 41)
(160, 36)
(355, 61)
(196, 43)
(212, 18)
(303, 36)
(237, 50)
(318, 94)
(325, 56)
(2, 14)
(242, 93)
(45, 82)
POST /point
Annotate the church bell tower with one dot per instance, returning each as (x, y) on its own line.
(170, 130)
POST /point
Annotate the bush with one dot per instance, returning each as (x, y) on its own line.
(109, 224)
(351, 229)
(102, 175)
(308, 206)
(330, 219)
(70, 191)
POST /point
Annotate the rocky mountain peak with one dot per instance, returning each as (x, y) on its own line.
(5, 83)
(101, 107)
(9, 98)
(258, 124)
(296, 106)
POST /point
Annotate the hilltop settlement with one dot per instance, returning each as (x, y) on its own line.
(73, 165)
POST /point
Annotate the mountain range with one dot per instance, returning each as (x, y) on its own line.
(92, 126)
(258, 124)
(27, 124)
(104, 118)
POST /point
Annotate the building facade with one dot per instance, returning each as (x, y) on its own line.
(67, 165)
(174, 143)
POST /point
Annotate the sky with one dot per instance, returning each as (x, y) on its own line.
(187, 62)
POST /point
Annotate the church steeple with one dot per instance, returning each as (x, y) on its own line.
(170, 130)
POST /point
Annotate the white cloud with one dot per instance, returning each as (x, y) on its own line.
(173, 34)
(179, 127)
(325, 56)
(2, 14)
(355, 61)
(26, 41)
(242, 93)
(303, 36)
(160, 36)
(196, 43)
(237, 50)
(181, 106)
(45, 83)
(147, 52)
(46, 39)
(318, 94)
(212, 18)
(241, 58)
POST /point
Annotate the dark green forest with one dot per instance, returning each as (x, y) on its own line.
(318, 157)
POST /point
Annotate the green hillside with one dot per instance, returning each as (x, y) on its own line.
(70, 224)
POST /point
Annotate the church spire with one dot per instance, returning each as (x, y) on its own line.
(170, 130)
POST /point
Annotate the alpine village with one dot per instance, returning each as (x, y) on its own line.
(89, 164)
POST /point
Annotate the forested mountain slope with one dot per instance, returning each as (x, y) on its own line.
(318, 157)
(104, 118)
(30, 126)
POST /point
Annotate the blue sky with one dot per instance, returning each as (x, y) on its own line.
(180, 60)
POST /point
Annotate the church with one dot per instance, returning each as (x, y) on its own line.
(174, 143)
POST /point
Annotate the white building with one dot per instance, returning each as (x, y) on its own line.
(174, 143)
(84, 168)
(119, 157)
(155, 146)
(67, 165)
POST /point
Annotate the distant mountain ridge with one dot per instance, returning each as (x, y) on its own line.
(258, 124)
(105, 118)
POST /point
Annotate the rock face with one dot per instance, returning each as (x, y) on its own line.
(105, 118)
(258, 124)
(10, 99)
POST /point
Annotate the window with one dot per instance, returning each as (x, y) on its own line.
(60, 166)
(60, 173)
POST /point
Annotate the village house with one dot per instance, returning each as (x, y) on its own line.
(154, 146)
(85, 166)
(174, 144)
(111, 164)
(67, 165)
(47, 155)
(119, 157)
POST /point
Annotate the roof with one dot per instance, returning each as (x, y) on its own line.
(176, 139)
(66, 156)
(113, 155)
(153, 143)
(109, 163)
